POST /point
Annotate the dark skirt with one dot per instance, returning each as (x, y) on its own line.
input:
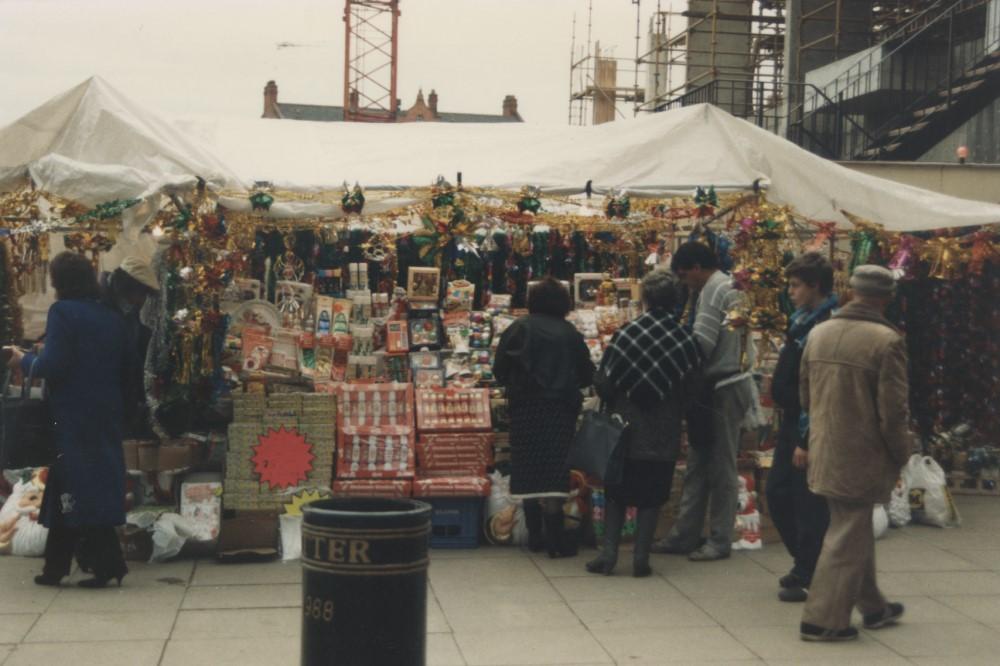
(645, 484)
(541, 431)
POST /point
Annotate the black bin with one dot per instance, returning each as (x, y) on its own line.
(364, 582)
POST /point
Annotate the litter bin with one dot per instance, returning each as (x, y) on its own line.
(364, 582)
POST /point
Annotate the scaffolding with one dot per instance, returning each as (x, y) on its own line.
(371, 51)
(728, 52)
(595, 95)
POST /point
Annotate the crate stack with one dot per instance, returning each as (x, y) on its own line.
(313, 416)
(454, 450)
(375, 440)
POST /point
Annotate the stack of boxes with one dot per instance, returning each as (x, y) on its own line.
(453, 453)
(375, 442)
(311, 416)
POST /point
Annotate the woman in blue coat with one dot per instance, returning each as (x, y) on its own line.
(84, 365)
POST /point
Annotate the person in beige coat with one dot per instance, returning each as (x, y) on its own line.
(854, 386)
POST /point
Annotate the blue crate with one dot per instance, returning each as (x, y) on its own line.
(455, 521)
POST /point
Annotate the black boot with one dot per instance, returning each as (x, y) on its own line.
(533, 521)
(558, 542)
(645, 529)
(614, 519)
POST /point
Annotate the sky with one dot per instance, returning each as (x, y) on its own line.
(213, 57)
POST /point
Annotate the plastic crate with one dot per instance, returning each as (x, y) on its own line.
(455, 522)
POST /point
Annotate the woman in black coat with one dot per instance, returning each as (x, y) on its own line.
(645, 373)
(84, 364)
(543, 362)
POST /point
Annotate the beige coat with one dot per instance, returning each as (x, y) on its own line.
(853, 383)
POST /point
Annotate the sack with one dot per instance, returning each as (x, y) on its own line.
(899, 505)
(597, 450)
(930, 500)
(27, 437)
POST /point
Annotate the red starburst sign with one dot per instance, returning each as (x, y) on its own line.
(283, 458)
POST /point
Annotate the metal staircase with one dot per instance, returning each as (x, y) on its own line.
(927, 78)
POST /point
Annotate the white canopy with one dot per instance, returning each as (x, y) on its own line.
(662, 154)
(93, 144)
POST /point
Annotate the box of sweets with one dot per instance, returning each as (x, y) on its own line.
(375, 452)
(451, 486)
(360, 405)
(453, 409)
(391, 488)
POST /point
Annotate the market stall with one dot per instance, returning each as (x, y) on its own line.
(314, 339)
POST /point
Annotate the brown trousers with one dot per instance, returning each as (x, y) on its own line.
(845, 574)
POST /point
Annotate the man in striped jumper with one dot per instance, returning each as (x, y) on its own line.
(715, 418)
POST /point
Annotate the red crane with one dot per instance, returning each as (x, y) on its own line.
(371, 50)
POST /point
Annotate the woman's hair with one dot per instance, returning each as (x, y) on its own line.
(814, 269)
(73, 277)
(549, 297)
(661, 290)
(691, 253)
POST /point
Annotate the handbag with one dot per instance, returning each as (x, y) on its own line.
(597, 448)
(27, 437)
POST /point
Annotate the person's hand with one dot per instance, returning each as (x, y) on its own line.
(800, 457)
(14, 358)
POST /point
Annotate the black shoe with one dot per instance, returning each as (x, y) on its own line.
(640, 570)
(791, 580)
(98, 582)
(558, 541)
(50, 581)
(889, 615)
(793, 594)
(533, 521)
(600, 565)
(811, 632)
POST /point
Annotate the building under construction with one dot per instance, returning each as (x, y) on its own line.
(897, 79)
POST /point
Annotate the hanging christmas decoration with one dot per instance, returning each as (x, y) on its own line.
(353, 201)
(617, 204)
(261, 201)
(530, 201)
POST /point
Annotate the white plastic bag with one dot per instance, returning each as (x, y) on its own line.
(880, 521)
(504, 522)
(291, 537)
(930, 500)
(899, 505)
(170, 532)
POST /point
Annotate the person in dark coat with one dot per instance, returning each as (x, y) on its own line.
(800, 516)
(84, 363)
(125, 291)
(650, 366)
(543, 362)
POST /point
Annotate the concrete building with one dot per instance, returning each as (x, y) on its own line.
(904, 80)
(420, 111)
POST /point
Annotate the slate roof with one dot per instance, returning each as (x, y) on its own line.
(329, 114)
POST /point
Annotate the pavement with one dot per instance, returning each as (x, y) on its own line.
(503, 606)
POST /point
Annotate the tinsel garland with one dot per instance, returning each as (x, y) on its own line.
(11, 325)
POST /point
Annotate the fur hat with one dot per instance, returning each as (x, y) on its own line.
(875, 281)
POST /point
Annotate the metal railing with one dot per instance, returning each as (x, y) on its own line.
(879, 65)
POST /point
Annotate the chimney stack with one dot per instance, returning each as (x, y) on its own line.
(432, 102)
(510, 107)
(270, 100)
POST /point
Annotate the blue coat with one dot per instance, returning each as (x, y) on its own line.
(84, 363)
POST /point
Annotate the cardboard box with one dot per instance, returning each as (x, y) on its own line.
(176, 456)
(130, 448)
(248, 533)
(148, 457)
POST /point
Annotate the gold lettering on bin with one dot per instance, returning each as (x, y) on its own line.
(337, 550)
